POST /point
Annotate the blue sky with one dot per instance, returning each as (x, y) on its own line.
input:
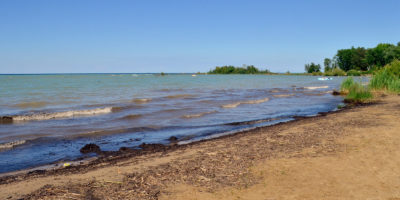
(103, 36)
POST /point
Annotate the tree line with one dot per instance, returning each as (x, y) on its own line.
(246, 69)
(359, 59)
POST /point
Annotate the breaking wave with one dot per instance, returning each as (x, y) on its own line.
(236, 104)
(65, 114)
(10, 145)
(316, 87)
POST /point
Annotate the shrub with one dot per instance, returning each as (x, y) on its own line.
(338, 72)
(353, 72)
(317, 73)
(358, 94)
(394, 68)
(328, 73)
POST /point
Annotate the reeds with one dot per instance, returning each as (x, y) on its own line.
(387, 79)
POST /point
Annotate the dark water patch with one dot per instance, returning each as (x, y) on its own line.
(131, 117)
(197, 115)
(180, 96)
(251, 122)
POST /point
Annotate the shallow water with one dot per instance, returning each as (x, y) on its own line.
(53, 116)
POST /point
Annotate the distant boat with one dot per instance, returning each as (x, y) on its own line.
(194, 75)
(325, 78)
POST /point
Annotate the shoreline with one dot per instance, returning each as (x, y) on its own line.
(228, 163)
(147, 148)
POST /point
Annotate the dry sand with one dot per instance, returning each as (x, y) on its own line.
(350, 154)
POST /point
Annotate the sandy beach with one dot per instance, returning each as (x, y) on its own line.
(348, 154)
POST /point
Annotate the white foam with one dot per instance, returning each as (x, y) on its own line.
(316, 87)
(10, 145)
(232, 105)
(66, 114)
(236, 104)
(283, 95)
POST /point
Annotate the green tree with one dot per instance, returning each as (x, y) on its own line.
(310, 68)
(327, 65)
(376, 56)
(354, 58)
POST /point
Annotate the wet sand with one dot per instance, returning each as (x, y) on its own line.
(349, 154)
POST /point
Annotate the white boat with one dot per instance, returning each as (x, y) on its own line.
(325, 78)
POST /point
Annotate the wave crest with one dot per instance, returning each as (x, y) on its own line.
(65, 114)
(140, 101)
(236, 104)
(198, 114)
(316, 87)
(10, 145)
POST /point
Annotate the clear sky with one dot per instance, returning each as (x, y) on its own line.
(101, 36)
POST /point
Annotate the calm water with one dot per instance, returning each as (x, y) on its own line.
(55, 115)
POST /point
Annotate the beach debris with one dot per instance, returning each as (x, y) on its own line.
(36, 172)
(6, 120)
(152, 147)
(335, 92)
(90, 148)
(124, 149)
(173, 139)
(66, 164)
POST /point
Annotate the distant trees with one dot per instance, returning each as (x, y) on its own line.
(246, 69)
(360, 58)
(365, 59)
(310, 68)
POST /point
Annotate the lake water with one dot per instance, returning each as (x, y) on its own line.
(53, 116)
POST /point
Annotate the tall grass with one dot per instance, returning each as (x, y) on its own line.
(358, 93)
(346, 84)
(355, 92)
(388, 78)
